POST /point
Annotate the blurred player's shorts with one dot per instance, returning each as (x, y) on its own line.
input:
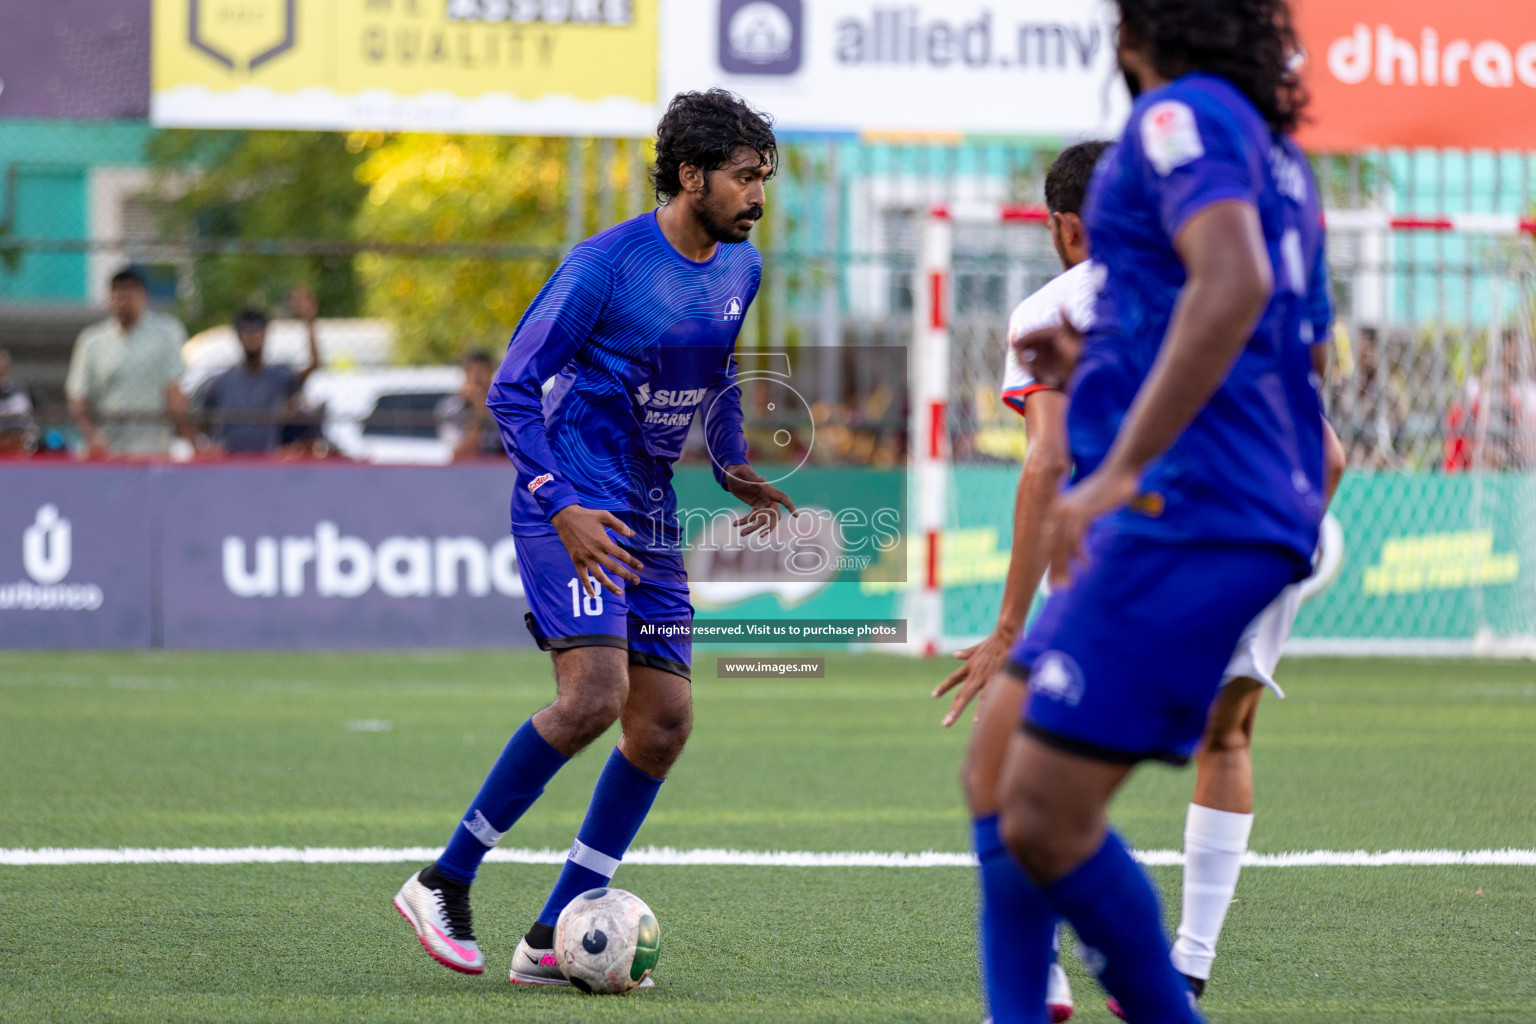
(1123, 665)
(562, 615)
(1259, 649)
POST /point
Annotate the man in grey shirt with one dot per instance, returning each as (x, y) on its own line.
(244, 407)
(124, 375)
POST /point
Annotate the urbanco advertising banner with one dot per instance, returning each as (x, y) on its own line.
(936, 67)
(350, 556)
(551, 67)
(76, 557)
(1419, 73)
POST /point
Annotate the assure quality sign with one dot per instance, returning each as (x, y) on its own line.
(559, 67)
(1419, 73)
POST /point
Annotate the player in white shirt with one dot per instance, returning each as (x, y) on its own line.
(1220, 816)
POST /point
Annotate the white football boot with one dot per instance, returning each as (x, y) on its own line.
(439, 911)
(538, 967)
(1058, 995)
(535, 966)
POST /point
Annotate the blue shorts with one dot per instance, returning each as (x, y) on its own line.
(563, 616)
(1123, 665)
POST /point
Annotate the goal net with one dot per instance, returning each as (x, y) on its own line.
(1432, 389)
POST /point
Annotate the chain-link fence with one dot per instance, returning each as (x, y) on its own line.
(1432, 389)
(420, 252)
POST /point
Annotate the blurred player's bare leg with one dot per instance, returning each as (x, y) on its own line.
(656, 716)
(1217, 827)
(997, 720)
(1053, 806)
(1224, 760)
(1053, 820)
(1013, 988)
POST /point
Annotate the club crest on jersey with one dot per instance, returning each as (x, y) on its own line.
(733, 309)
(539, 481)
(1056, 676)
(1170, 136)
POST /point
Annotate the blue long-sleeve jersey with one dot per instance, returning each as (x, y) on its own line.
(1249, 468)
(639, 339)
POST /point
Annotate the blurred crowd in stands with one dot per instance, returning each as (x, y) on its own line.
(128, 395)
(1403, 401)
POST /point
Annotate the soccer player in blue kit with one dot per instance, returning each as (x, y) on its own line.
(1197, 440)
(637, 327)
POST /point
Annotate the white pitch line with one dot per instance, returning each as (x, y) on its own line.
(668, 856)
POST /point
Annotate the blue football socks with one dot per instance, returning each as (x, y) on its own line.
(1112, 905)
(516, 780)
(1018, 929)
(620, 802)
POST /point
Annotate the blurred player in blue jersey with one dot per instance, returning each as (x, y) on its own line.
(635, 335)
(1220, 816)
(1197, 440)
(1046, 464)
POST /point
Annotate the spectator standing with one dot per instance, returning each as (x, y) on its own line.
(463, 421)
(123, 384)
(244, 408)
(1493, 426)
(18, 429)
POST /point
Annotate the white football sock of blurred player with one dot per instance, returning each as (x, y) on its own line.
(1220, 816)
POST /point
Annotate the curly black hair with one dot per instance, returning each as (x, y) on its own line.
(250, 319)
(705, 129)
(1066, 183)
(1250, 43)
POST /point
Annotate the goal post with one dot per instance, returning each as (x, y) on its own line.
(1432, 388)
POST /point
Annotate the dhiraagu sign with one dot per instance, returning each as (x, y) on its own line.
(564, 67)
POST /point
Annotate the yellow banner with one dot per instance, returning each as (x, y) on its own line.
(511, 65)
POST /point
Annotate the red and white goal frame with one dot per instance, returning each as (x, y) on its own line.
(930, 358)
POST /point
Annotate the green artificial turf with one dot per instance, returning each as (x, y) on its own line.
(236, 750)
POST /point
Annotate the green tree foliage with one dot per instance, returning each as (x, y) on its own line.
(391, 216)
(268, 186)
(446, 190)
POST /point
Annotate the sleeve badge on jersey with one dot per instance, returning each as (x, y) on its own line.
(539, 481)
(1169, 135)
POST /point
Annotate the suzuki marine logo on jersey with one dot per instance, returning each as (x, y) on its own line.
(656, 404)
(47, 554)
(733, 309)
(242, 35)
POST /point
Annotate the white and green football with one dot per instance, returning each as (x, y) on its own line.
(607, 941)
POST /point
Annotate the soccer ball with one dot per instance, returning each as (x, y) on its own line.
(607, 941)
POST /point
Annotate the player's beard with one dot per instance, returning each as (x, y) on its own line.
(723, 225)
